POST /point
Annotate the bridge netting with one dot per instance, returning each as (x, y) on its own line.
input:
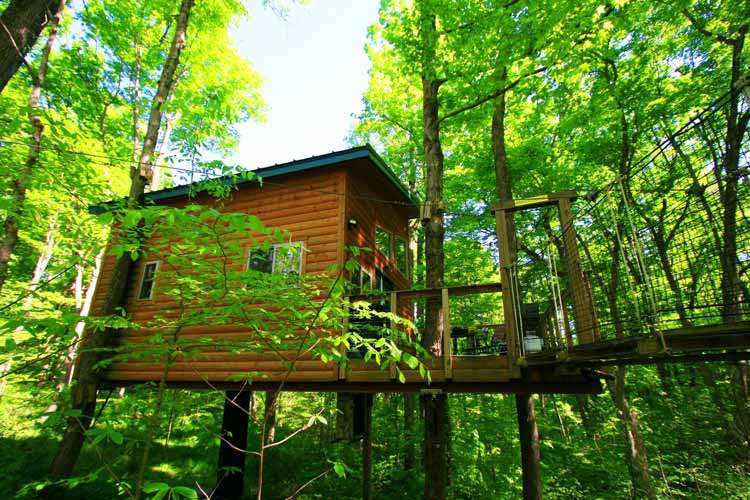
(664, 246)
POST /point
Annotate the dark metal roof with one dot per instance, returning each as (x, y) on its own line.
(291, 167)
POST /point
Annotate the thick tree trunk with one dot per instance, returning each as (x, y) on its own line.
(367, 450)
(527, 426)
(229, 485)
(635, 455)
(19, 184)
(436, 432)
(20, 25)
(87, 379)
(736, 128)
(529, 438)
(436, 422)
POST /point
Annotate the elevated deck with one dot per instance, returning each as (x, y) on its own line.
(471, 374)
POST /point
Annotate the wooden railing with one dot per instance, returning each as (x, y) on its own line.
(397, 297)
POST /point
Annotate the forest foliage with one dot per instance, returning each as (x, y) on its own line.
(589, 91)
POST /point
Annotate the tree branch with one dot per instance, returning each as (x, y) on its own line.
(704, 31)
(491, 96)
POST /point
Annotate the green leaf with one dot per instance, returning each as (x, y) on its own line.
(339, 469)
(410, 360)
(115, 437)
(185, 492)
(106, 218)
(153, 487)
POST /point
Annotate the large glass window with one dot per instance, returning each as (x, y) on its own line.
(146, 291)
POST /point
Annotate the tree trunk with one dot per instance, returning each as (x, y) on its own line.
(20, 25)
(10, 237)
(736, 128)
(229, 485)
(436, 422)
(529, 438)
(436, 431)
(527, 426)
(635, 455)
(367, 449)
(83, 394)
(409, 407)
(270, 416)
(42, 262)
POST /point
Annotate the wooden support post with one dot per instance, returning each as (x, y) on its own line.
(506, 253)
(583, 307)
(229, 485)
(367, 449)
(529, 440)
(447, 344)
(393, 326)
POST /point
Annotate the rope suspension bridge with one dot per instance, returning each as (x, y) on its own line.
(653, 267)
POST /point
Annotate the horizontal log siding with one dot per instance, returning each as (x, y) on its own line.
(373, 202)
(310, 205)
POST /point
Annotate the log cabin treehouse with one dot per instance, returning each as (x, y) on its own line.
(324, 205)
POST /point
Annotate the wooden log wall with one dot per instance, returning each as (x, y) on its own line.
(309, 206)
(373, 202)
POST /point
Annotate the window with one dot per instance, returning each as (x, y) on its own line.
(383, 241)
(361, 281)
(147, 281)
(284, 259)
(394, 248)
(400, 251)
(382, 282)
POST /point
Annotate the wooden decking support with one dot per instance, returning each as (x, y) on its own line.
(703, 343)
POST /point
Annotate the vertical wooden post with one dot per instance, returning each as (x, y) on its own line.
(367, 449)
(529, 440)
(583, 308)
(229, 485)
(511, 336)
(447, 344)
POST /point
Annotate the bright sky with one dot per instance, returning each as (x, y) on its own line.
(315, 72)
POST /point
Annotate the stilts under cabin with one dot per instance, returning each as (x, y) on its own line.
(348, 206)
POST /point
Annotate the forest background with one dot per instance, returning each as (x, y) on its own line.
(569, 96)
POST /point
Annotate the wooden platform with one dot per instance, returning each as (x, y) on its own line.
(470, 374)
(703, 343)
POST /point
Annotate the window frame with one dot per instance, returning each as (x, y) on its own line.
(300, 244)
(388, 255)
(142, 281)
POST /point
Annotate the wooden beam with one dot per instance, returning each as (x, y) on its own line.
(503, 242)
(581, 385)
(447, 344)
(544, 200)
